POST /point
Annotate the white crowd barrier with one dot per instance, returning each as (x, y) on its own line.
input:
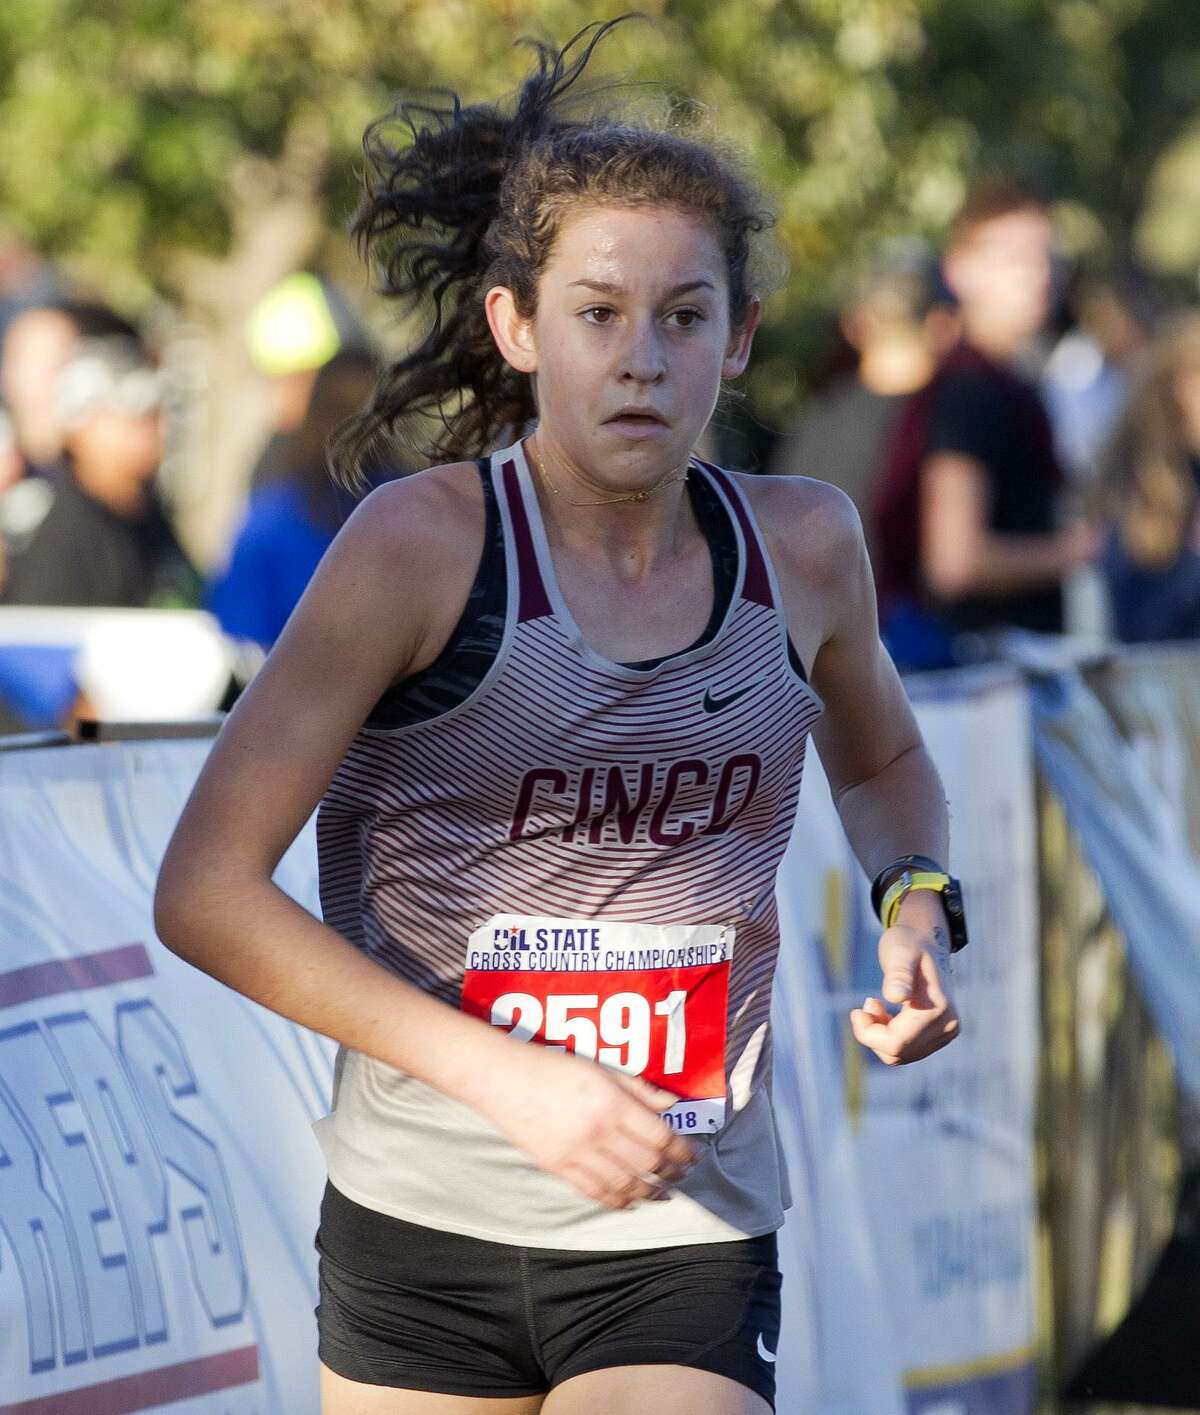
(909, 1258)
(159, 1182)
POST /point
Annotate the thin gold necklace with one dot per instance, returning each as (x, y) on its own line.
(636, 496)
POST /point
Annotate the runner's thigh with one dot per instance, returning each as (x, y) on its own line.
(416, 1319)
(692, 1329)
(342, 1397)
(666, 1390)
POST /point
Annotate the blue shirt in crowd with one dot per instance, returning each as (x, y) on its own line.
(274, 555)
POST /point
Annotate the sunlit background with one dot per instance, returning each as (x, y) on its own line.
(193, 166)
(178, 160)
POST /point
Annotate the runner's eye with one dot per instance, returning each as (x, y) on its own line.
(597, 314)
(687, 318)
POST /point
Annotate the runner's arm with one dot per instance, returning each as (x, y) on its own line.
(362, 622)
(883, 781)
(886, 788)
(382, 604)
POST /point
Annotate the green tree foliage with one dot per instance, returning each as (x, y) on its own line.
(136, 130)
(203, 149)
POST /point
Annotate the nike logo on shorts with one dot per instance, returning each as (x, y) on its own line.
(762, 1350)
(712, 704)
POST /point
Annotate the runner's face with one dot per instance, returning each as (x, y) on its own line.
(631, 340)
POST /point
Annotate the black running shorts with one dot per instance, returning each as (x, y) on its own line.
(421, 1309)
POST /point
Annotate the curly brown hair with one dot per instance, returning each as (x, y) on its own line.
(474, 198)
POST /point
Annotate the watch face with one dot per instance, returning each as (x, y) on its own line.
(955, 915)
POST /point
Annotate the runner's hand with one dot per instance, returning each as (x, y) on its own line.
(593, 1126)
(927, 1020)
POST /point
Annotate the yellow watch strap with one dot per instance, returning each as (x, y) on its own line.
(908, 881)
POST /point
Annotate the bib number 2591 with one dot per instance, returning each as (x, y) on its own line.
(616, 1032)
(646, 1000)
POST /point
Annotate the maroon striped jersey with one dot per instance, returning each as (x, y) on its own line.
(573, 787)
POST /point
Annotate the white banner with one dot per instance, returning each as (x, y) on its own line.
(909, 1255)
(159, 1185)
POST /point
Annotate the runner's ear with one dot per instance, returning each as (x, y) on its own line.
(511, 330)
(737, 351)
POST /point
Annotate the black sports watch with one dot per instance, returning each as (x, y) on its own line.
(910, 872)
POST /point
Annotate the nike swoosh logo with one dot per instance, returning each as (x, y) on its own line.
(712, 704)
(762, 1350)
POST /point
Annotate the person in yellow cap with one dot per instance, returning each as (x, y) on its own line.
(292, 332)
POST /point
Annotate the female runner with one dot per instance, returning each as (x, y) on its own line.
(553, 705)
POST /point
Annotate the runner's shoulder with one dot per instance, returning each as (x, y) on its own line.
(811, 526)
(423, 522)
(407, 509)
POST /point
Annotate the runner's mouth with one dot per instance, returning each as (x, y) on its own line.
(638, 417)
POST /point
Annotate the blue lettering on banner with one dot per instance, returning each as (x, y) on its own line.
(154, 1054)
(70, 1167)
(972, 1249)
(34, 1224)
(126, 1150)
(85, 1130)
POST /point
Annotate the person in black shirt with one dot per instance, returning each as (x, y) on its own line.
(104, 539)
(966, 520)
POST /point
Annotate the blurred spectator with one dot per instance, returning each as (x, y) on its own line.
(899, 323)
(10, 453)
(293, 331)
(291, 520)
(1086, 376)
(1151, 483)
(25, 279)
(967, 514)
(11, 470)
(38, 341)
(1084, 383)
(102, 537)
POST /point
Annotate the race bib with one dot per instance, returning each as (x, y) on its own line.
(647, 1000)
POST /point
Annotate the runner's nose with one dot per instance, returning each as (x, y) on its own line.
(642, 358)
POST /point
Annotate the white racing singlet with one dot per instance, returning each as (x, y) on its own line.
(583, 853)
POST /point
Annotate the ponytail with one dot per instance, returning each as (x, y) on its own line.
(471, 199)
